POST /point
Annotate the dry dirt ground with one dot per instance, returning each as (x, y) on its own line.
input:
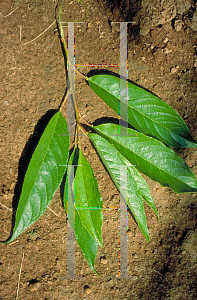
(162, 48)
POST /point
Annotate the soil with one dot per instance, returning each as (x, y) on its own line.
(162, 48)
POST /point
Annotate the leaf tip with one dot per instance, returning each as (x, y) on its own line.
(146, 234)
(147, 238)
(93, 269)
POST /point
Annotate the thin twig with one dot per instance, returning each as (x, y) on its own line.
(13, 243)
(6, 207)
(19, 277)
(84, 77)
(82, 129)
(47, 222)
(160, 274)
(54, 212)
(82, 117)
(64, 100)
(9, 13)
(40, 33)
(63, 40)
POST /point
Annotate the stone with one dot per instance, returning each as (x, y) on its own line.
(103, 260)
(182, 6)
(165, 40)
(144, 28)
(174, 70)
(178, 24)
(193, 23)
(167, 15)
(166, 51)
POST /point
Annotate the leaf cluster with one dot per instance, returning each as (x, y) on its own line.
(145, 149)
(145, 146)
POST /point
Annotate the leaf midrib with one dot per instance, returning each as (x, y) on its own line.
(41, 164)
(86, 198)
(95, 231)
(137, 192)
(141, 112)
(148, 161)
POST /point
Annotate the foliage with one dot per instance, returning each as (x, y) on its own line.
(145, 148)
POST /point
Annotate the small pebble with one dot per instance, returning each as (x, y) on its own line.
(173, 70)
(178, 24)
(166, 51)
(152, 46)
(87, 289)
(103, 260)
(165, 40)
(193, 24)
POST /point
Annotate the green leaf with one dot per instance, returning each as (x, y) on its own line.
(146, 112)
(44, 174)
(142, 185)
(86, 242)
(152, 158)
(69, 187)
(136, 186)
(88, 201)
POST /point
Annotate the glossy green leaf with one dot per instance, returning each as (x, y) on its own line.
(86, 242)
(146, 112)
(69, 187)
(142, 186)
(152, 158)
(88, 201)
(135, 188)
(44, 174)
